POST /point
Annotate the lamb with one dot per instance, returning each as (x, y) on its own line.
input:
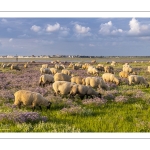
(62, 77)
(29, 98)
(77, 80)
(123, 74)
(83, 90)
(136, 79)
(46, 78)
(62, 87)
(96, 82)
(53, 70)
(45, 71)
(109, 77)
(65, 71)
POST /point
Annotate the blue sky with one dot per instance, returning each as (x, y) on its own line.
(75, 36)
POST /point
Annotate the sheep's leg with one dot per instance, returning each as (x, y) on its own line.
(33, 108)
(19, 105)
(40, 108)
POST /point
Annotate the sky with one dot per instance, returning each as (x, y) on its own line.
(75, 36)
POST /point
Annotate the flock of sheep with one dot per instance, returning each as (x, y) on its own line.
(65, 83)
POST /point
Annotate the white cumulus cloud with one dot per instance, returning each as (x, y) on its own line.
(81, 29)
(136, 28)
(106, 28)
(52, 28)
(35, 28)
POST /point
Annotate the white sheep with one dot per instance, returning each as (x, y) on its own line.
(62, 77)
(29, 98)
(45, 66)
(46, 78)
(109, 77)
(92, 70)
(136, 79)
(96, 82)
(66, 71)
(15, 66)
(77, 80)
(148, 68)
(127, 69)
(123, 74)
(62, 87)
(45, 71)
(53, 70)
(60, 67)
(83, 91)
(109, 69)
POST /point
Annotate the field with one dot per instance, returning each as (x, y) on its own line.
(122, 108)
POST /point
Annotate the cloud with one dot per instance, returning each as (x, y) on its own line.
(81, 29)
(35, 28)
(136, 28)
(4, 21)
(109, 29)
(64, 31)
(10, 40)
(53, 28)
(91, 45)
(106, 28)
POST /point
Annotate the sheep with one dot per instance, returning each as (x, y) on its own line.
(8, 65)
(62, 77)
(26, 65)
(136, 79)
(127, 69)
(109, 77)
(75, 67)
(65, 71)
(113, 63)
(85, 66)
(77, 80)
(83, 90)
(4, 65)
(62, 87)
(108, 69)
(45, 66)
(60, 67)
(93, 61)
(53, 70)
(96, 82)
(123, 74)
(100, 68)
(16, 67)
(45, 71)
(92, 70)
(148, 68)
(29, 98)
(70, 65)
(46, 78)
